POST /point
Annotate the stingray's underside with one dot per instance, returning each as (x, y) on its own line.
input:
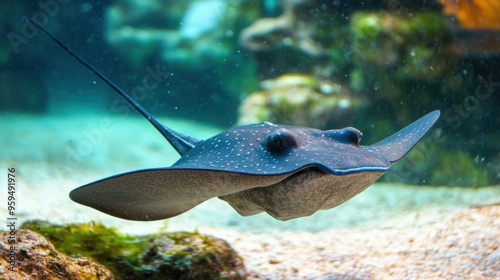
(284, 196)
(165, 195)
(301, 194)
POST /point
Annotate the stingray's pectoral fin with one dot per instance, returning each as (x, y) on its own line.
(144, 195)
(400, 143)
(155, 194)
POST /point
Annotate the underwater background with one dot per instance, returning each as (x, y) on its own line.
(376, 66)
(373, 65)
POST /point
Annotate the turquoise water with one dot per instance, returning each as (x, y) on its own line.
(61, 127)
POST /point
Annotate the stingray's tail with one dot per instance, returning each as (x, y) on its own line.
(181, 143)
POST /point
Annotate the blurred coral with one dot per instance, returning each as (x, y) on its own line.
(474, 14)
(302, 100)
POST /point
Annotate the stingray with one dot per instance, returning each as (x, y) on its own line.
(286, 171)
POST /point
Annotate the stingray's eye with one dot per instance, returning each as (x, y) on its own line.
(279, 141)
(352, 135)
(348, 135)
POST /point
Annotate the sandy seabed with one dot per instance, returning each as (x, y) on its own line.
(463, 245)
(390, 231)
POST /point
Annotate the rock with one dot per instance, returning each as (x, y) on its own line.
(186, 34)
(118, 252)
(288, 43)
(36, 258)
(192, 256)
(178, 255)
(407, 45)
(202, 16)
(299, 100)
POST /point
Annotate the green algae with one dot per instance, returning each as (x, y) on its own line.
(427, 27)
(179, 255)
(297, 99)
(185, 255)
(105, 245)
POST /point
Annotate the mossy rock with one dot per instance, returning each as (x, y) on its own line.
(186, 255)
(36, 258)
(300, 100)
(180, 255)
(105, 245)
(385, 38)
(427, 27)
